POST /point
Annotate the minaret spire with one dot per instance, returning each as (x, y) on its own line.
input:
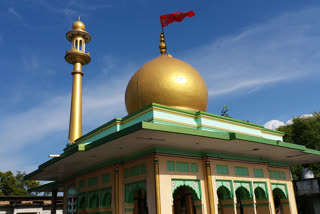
(77, 56)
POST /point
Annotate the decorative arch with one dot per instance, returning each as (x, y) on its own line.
(227, 184)
(277, 192)
(132, 189)
(194, 185)
(93, 199)
(136, 197)
(183, 189)
(72, 196)
(186, 200)
(260, 193)
(72, 192)
(242, 194)
(280, 190)
(82, 201)
(224, 193)
(106, 197)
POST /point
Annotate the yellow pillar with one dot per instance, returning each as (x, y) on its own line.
(75, 126)
(210, 188)
(157, 184)
(273, 209)
(116, 191)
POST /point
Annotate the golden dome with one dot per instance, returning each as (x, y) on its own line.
(168, 81)
(78, 25)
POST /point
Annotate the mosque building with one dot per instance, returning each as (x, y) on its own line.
(169, 155)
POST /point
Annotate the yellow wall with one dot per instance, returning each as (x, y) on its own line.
(165, 179)
(148, 177)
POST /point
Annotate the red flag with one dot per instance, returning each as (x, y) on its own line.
(174, 17)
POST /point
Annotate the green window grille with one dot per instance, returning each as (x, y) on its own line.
(105, 197)
(194, 167)
(222, 169)
(82, 197)
(93, 199)
(143, 169)
(126, 173)
(182, 167)
(171, 166)
(283, 176)
(105, 178)
(241, 171)
(134, 171)
(82, 184)
(93, 181)
(275, 174)
(258, 173)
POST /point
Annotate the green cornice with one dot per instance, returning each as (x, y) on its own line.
(35, 172)
(273, 131)
(173, 110)
(48, 187)
(68, 152)
(98, 129)
(183, 130)
(228, 119)
(311, 151)
(115, 135)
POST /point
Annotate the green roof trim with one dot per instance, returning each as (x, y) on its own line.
(273, 131)
(188, 112)
(98, 129)
(35, 172)
(67, 153)
(311, 151)
(229, 119)
(47, 187)
(114, 136)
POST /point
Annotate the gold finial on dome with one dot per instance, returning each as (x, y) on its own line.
(79, 25)
(162, 46)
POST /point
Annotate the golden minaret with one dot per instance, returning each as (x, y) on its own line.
(77, 56)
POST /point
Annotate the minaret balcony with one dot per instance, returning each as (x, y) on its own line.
(75, 55)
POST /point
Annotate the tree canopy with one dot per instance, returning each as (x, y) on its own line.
(15, 185)
(304, 131)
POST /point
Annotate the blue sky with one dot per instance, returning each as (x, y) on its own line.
(260, 58)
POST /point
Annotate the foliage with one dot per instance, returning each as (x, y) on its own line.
(224, 111)
(304, 131)
(15, 185)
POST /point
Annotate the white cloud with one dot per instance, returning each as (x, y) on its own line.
(274, 124)
(289, 122)
(282, 49)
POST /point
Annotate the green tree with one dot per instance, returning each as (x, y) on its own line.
(304, 131)
(7, 183)
(15, 185)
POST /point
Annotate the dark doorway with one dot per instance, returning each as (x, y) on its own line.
(183, 200)
(278, 194)
(140, 203)
(242, 194)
